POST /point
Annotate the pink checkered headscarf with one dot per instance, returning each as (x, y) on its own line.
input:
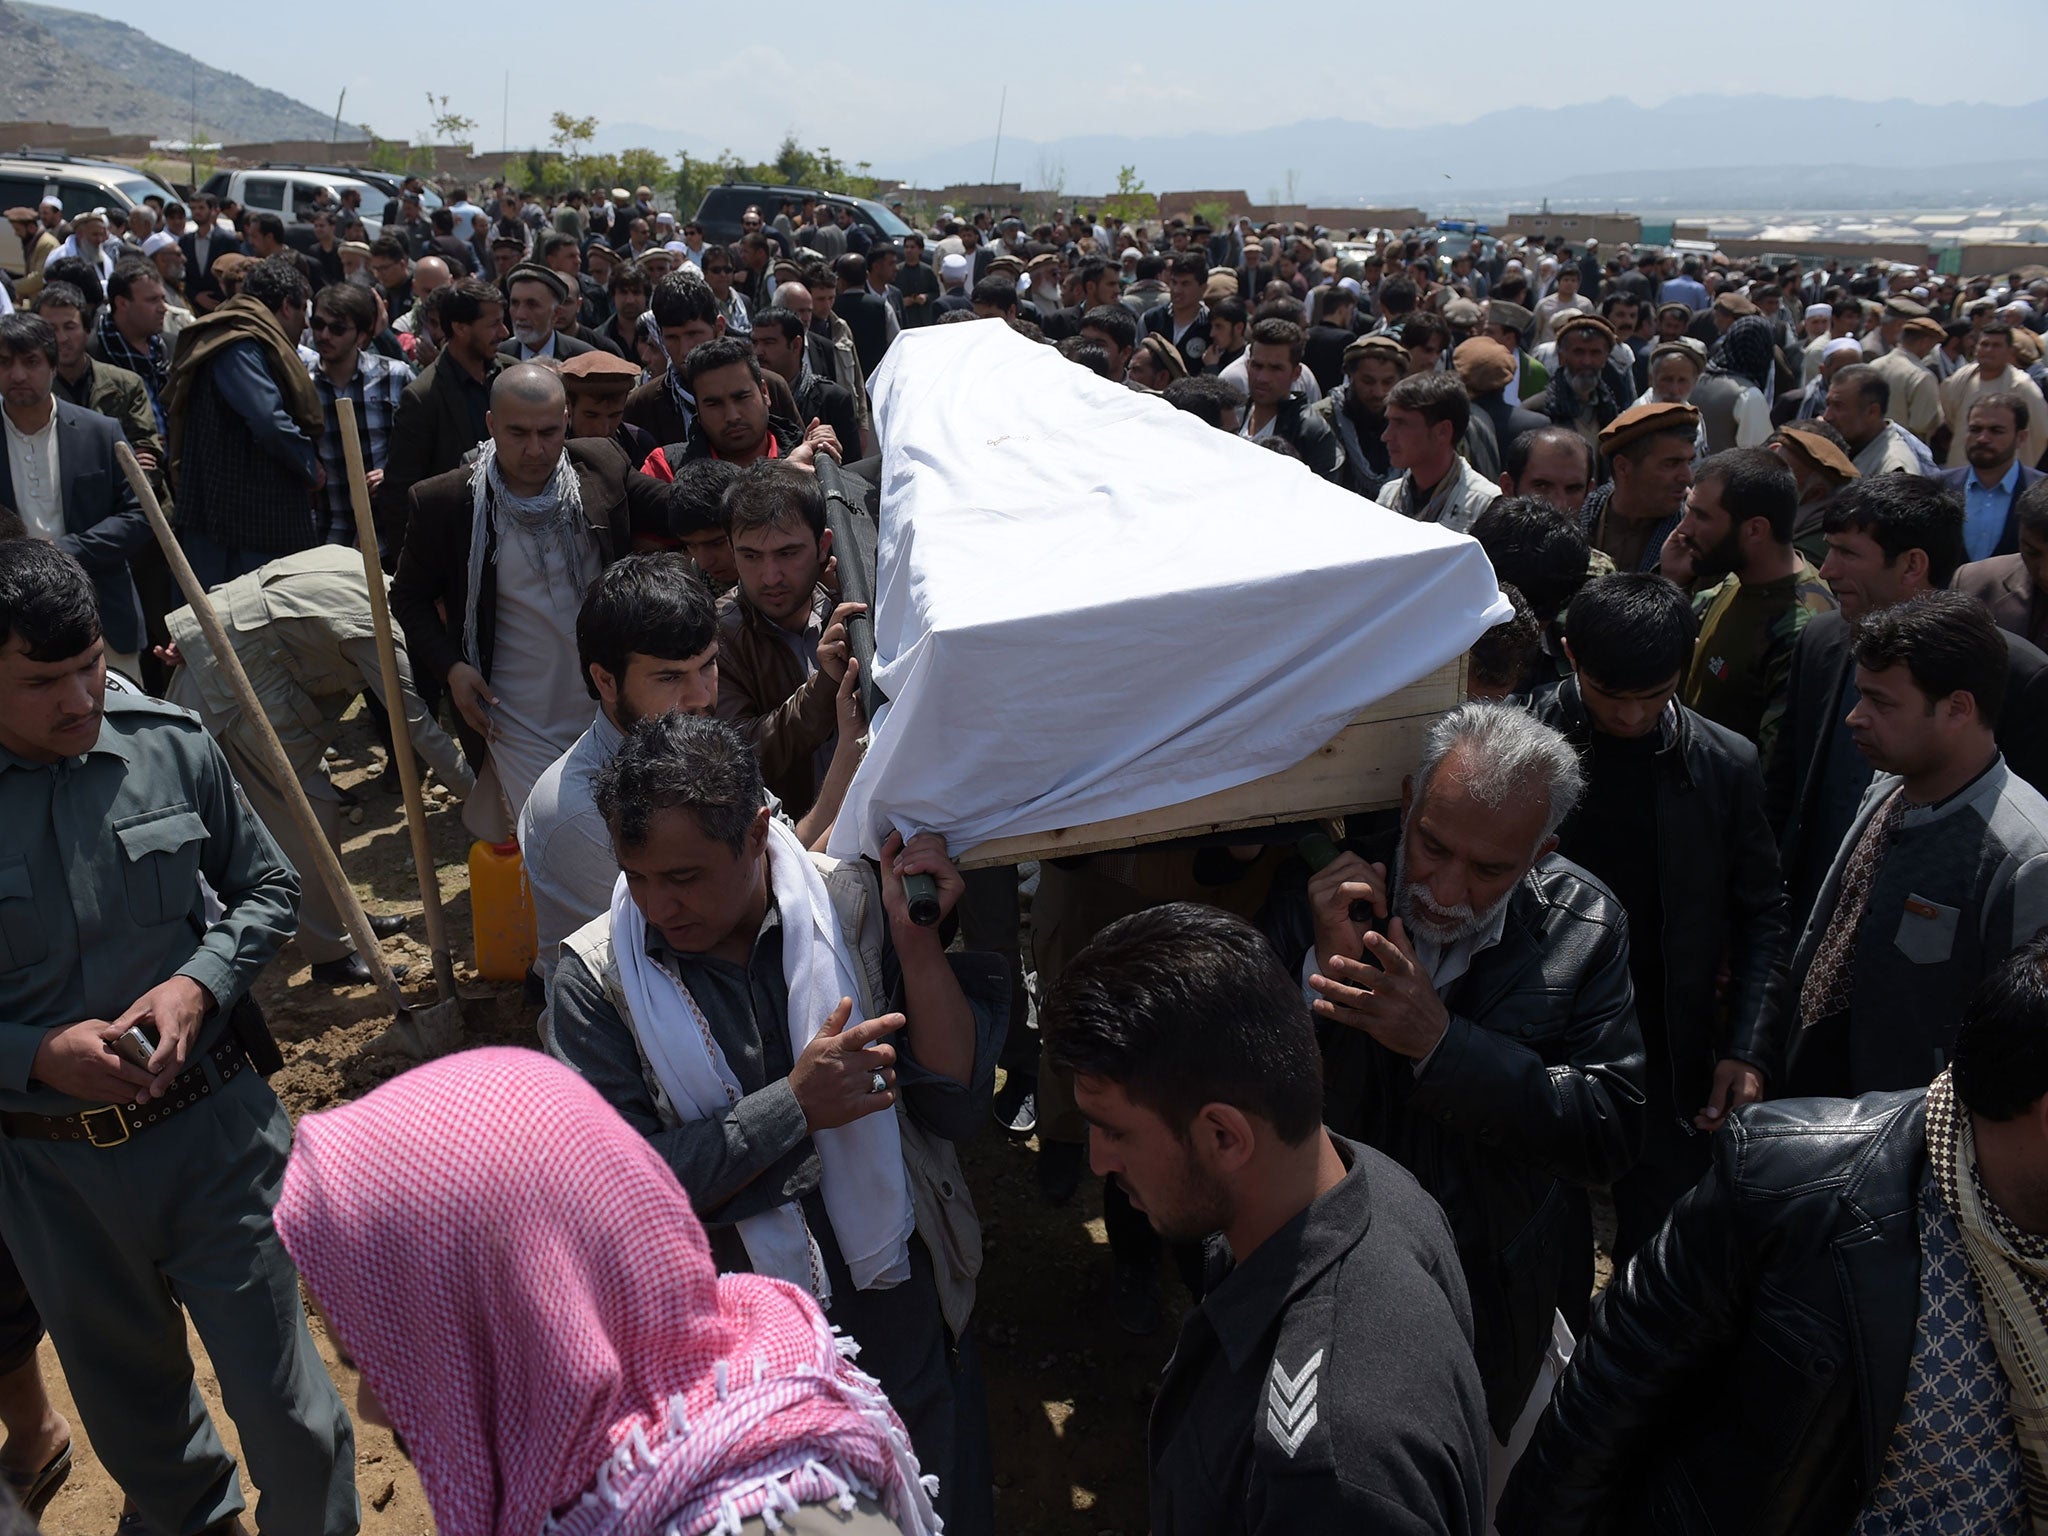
(526, 1289)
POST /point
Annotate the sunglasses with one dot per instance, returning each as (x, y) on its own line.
(331, 327)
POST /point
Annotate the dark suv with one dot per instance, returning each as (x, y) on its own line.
(719, 214)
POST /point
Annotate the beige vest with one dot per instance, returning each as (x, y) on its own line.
(940, 1200)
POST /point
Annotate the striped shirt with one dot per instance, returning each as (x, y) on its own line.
(375, 389)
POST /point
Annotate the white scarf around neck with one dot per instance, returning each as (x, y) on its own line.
(865, 1186)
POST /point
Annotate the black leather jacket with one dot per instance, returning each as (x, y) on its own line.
(1536, 1087)
(1746, 1372)
(1717, 868)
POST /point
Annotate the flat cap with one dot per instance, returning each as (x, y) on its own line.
(1483, 364)
(1579, 320)
(1641, 421)
(507, 243)
(1898, 307)
(353, 247)
(1380, 344)
(1672, 306)
(1925, 325)
(22, 215)
(1461, 312)
(534, 272)
(233, 264)
(1816, 449)
(1733, 303)
(1507, 313)
(601, 371)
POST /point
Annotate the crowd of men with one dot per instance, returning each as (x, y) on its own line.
(1746, 807)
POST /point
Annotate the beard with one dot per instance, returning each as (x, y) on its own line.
(1421, 916)
(1720, 560)
(1196, 1206)
(1584, 385)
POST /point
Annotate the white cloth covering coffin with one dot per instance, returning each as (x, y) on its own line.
(1091, 604)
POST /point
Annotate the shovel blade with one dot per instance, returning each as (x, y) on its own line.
(421, 1033)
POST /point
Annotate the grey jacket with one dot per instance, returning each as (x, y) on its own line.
(1964, 884)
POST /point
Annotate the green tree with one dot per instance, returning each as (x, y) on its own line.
(1130, 203)
(446, 125)
(570, 137)
(1213, 214)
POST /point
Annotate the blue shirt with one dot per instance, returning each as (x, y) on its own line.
(1985, 510)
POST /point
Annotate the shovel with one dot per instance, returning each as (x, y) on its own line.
(329, 866)
(437, 1028)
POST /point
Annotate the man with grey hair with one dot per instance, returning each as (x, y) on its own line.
(1479, 1025)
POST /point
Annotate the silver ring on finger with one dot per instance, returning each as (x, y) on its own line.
(878, 1083)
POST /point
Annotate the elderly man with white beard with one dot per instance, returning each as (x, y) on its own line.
(1478, 1024)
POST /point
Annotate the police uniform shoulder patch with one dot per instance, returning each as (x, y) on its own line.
(1291, 1403)
(1291, 1422)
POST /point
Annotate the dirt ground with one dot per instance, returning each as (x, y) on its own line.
(1068, 1391)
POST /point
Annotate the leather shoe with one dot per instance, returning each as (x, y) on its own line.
(386, 924)
(1059, 1169)
(349, 971)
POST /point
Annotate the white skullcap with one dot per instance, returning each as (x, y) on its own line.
(51, 202)
(160, 241)
(1840, 345)
(1820, 311)
(1920, 293)
(954, 265)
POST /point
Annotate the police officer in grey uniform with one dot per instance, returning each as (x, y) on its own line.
(134, 1195)
(302, 628)
(1326, 1382)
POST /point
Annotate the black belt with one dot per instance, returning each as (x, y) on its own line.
(112, 1124)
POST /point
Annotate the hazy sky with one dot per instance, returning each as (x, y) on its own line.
(880, 82)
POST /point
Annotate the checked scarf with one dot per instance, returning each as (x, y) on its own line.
(2011, 1267)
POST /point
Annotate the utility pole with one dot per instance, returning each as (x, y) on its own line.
(992, 159)
(334, 135)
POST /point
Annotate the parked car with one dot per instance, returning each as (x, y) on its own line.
(27, 177)
(288, 190)
(719, 213)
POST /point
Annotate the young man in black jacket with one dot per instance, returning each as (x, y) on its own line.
(1834, 1332)
(1672, 823)
(1326, 1381)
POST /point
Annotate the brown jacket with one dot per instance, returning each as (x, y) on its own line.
(762, 688)
(430, 594)
(2002, 585)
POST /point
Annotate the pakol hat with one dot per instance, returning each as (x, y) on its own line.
(1641, 421)
(599, 372)
(1483, 364)
(1818, 450)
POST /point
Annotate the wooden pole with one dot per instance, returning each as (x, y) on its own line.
(394, 703)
